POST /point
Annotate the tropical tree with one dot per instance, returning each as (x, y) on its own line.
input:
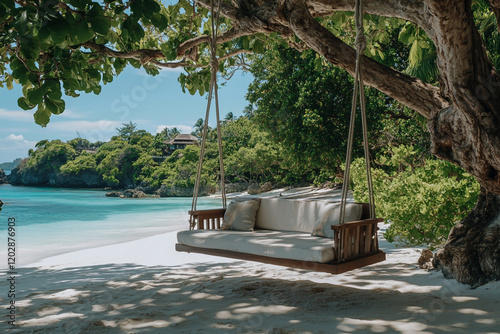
(77, 45)
(198, 127)
(305, 105)
(169, 133)
(126, 130)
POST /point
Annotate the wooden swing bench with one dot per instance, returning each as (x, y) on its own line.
(286, 231)
(282, 236)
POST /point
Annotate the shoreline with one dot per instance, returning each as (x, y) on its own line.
(300, 192)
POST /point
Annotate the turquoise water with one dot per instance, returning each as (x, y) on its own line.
(51, 221)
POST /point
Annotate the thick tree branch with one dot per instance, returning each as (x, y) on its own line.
(416, 94)
(462, 58)
(411, 10)
(144, 55)
(185, 64)
(223, 38)
(495, 7)
(256, 16)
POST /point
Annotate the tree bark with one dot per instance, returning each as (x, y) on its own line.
(472, 253)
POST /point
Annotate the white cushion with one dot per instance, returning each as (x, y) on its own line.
(240, 216)
(285, 215)
(297, 215)
(278, 244)
(329, 215)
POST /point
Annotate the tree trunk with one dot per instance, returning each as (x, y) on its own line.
(472, 253)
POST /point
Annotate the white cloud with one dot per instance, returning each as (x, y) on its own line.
(14, 137)
(73, 126)
(181, 128)
(15, 146)
(169, 69)
(16, 115)
(71, 114)
(27, 116)
(93, 131)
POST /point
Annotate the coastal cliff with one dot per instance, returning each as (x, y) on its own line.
(3, 177)
(32, 177)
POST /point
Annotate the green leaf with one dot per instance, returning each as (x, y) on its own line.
(42, 116)
(9, 4)
(30, 50)
(159, 21)
(23, 104)
(245, 42)
(82, 32)
(35, 96)
(58, 29)
(9, 83)
(52, 88)
(258, 46)
(98, 21)
(134, 29)
(407, 34)
(415, 53)
(16, 64)
(55, 106)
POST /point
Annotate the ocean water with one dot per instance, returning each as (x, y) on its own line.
(51, 221)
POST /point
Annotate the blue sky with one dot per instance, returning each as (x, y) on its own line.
(150, 102)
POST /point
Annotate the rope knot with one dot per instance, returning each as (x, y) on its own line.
(360, 43)
(214, 63)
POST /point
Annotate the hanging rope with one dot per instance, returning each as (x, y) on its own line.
(358, 88)
(213, 91)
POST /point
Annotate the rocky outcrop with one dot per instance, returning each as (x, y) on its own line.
(255, 189)
(147, 189)
(134, 193)
(114, 194)
(174, 191)
(30, 177)
(268, 186)
(128, 193)
(236, 187)
(3, 177)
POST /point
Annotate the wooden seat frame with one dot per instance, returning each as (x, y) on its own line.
(355, 244)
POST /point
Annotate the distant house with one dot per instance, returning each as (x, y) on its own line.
(181, 141)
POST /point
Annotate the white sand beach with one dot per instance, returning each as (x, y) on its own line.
(144, 286)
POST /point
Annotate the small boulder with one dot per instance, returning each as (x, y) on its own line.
(268, 186)
(133, 193)
(425, 260)
(114, 194)
(253, 189)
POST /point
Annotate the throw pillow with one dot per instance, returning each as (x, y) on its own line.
(331, 216)
(240, 216)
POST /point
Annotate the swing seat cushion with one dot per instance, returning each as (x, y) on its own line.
(307, 216)
(283, 230)
(277, 244)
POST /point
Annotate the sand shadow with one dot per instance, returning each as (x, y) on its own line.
(241, 298)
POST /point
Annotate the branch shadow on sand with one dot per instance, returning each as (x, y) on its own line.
(243, 297)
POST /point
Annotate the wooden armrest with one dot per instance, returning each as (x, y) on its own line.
(208, 212)
(208, 219)
(358, 223)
